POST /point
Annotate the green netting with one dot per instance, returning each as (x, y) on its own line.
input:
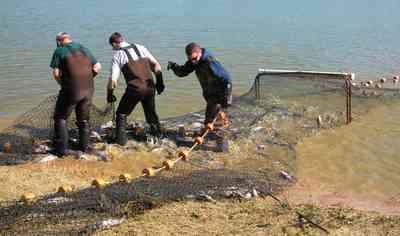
(265, 125)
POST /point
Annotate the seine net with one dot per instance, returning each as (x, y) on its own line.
(265, 125)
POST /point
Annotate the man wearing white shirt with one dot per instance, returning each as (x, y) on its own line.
(137, 65)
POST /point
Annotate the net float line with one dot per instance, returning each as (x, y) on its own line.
(183, 155)
(167, 165)
(378, 82)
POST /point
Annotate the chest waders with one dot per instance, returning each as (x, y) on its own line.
(217, 95)
(76, 93)
(213, 90)
(140, 88)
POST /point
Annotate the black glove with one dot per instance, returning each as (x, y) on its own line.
(110, 96)
(171, 65)
(94, 73)
(159, 83)
(224, 103)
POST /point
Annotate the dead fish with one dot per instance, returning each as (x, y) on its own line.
(40, 149)
(255, 193)
(258, 128)
(105, 224)
(196, 126)
(95, 137)
(319, 121)
(46, 158)
(181, 130)
(205, 197)
(260, 147)
(107, 125)
(197, 115)
(285, 175)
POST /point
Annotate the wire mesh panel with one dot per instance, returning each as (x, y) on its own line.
(326, 92)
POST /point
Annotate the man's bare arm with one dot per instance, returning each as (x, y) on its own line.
(97, 67)
(57, 75)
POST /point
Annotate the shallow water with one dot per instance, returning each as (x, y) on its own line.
(360, 159)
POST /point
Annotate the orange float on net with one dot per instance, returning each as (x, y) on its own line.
(226, 123)
(168, 164)
(183, 155)
(124, 178)
(199, 140)
(222, 115)
(7, 147)
(65, 189)
(149, 172)
(28, 197)
(210, 126)
(99, 183)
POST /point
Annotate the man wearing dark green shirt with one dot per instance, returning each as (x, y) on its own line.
(74, 67)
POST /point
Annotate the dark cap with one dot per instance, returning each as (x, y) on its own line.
(191, 47)
(115, 38)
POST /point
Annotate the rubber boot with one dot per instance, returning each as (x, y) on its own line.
(155, 133)
(222, 145)
(121, 137)
(60, 137)
(155, 130)
(84, 135)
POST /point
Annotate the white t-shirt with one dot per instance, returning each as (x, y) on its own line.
(120, 58)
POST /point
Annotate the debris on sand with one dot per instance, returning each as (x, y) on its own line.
(205, 197)
(258, 128)
(45, 158)
(285, 175)
(38, 148)
(86, 157)
(260, 147)
(58, 200)
(105, 224)
(196, 126)
(107, 125)
(234, 192)
(96, 137)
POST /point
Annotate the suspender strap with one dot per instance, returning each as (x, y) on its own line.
(135, 49)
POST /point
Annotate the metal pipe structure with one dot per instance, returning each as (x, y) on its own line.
(346, 77)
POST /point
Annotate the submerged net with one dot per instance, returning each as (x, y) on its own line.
(265, 125)
(37, 124)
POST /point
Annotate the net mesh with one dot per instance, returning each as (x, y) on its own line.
(266, 123)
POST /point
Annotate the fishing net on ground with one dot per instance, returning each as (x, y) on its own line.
(265, 125)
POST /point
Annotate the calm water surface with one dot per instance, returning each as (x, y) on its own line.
(359, 36)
